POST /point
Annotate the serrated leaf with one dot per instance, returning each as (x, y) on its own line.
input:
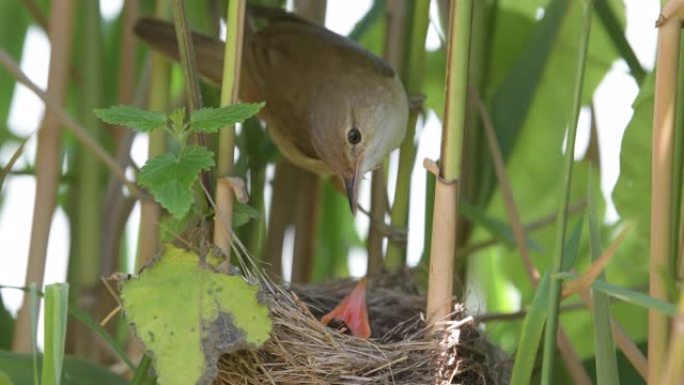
(187, 316)
(133, 117)
(242, 213)
(169, 177)
(213, 119)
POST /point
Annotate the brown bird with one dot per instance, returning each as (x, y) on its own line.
(332, 107)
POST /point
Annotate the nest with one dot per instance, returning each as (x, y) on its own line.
(402, 350)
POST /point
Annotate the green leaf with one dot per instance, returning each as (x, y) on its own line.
(4, 379)
(133, 117)
(532, 329)
(632, 193)
(169, 178)
(56, 306)
(187, 315)
(213, 119)
(242, 213)
(630, 296)
(77, 371)
(514, 97)
(607, 372)
(615, 30)
(102, 333)
(571, 247)
(497, 228)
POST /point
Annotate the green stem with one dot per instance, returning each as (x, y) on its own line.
(677, 259)
(142, 370)
(662, 166)
(187, 56)
(84, 269)
(443, 240)
(229, 88)
(158, 100)
(412, 70)
(229, 92)
(561, 221)
(457, 81)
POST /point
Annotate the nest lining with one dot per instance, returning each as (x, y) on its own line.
(402, 349)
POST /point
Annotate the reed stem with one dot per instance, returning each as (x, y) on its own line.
(551, 331)
(229, 93)
(443, 242)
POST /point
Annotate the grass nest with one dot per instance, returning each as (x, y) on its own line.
(402, 349)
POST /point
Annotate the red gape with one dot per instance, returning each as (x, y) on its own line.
(352, 311)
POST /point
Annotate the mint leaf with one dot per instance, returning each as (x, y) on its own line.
(133, 117)
(242, 213)
(169, 177)
(213, 119)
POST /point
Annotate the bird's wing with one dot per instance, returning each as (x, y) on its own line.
(161, 35)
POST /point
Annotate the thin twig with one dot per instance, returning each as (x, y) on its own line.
(79, 131)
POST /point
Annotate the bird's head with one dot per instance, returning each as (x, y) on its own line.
(353, 135)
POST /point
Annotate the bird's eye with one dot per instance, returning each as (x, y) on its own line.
(354, 136)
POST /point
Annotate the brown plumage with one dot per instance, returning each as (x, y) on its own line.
(332, 107)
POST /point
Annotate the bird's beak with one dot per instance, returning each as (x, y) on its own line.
(352, 186)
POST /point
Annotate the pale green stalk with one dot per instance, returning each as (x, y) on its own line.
(562, 217)
(229, 92)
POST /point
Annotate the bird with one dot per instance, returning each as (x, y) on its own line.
(331, 106)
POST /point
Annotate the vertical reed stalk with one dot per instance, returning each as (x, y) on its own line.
(443, 242)
(378, 209)
(47, 160)
(187, 55)
(116, 207)
(551, 331)
(157, 100)
(307, 210)
(232, 61)
(281, 213)
(252, 234)
(85, 260)
(673, 369)
(661, 182)
(411, 70)
(676, 253)
(308, 201)
(396, 25)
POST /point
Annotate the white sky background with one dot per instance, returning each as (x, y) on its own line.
(613, 101)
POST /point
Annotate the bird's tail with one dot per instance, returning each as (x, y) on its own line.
(161, 36)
